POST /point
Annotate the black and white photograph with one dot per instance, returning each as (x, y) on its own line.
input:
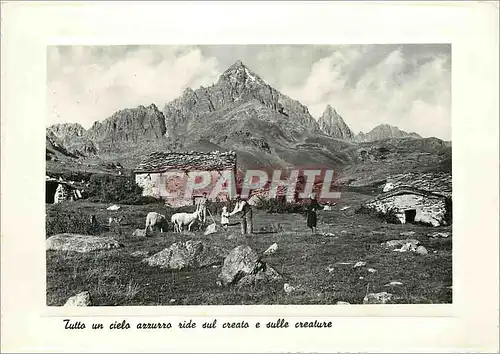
(248, 175)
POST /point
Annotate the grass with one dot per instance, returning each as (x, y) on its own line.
(115, 277)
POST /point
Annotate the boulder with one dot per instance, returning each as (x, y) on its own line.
(439, 234)
(272, 249)
(288, 288)
(377, 298)
(113, 208)
(241, 261)
(81, 299)
(190, 254)
(140, 254)
(265, 275)
(400, 243)
(407, 233)
(139, 233)
(407, 247)
(80, 243)
(421, 250)
(393, 283)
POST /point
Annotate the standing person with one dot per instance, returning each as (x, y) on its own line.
(224, 218)
(202, 207)
(312, 218)
(245, 209)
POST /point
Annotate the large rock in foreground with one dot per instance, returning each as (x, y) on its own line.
(243, 266)
(241, 261)
(80, 243)
(81, 299)
(189, 254)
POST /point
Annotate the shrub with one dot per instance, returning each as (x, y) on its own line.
(116, 189)
(278, 206)
(66, 222)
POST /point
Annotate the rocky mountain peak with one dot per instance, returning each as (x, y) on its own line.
(64, 130)
(330, 110)
(332, 123)
(239, 73)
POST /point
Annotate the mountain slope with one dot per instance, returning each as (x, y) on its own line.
(332, 124)
(72, 137)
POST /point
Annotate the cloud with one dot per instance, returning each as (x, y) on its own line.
(86, 84)
(407, 88)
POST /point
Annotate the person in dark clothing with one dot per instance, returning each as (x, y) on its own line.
(245, 209)
(312, 218)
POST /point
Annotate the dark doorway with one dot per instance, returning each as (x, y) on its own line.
(410, 216)
(50, 191)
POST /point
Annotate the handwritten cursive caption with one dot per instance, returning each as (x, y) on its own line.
(124, 325)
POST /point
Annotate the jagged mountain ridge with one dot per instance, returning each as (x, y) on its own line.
(384, 131)
(239, 112)
(134, 125)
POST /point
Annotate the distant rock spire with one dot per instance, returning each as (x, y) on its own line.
(332, 123)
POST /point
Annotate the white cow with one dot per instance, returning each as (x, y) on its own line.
(157, 220)
(181, 219)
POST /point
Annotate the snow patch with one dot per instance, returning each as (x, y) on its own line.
(249, 75)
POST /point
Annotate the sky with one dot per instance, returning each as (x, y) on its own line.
(406, 85)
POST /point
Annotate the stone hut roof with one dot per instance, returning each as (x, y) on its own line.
(435, 182)
(157, 162)
(406, 190)
(70, 184)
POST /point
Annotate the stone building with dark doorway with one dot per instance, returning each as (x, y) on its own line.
(413, 205)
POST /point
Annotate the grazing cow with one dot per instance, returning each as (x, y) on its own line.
(157, 220)
(181, 219)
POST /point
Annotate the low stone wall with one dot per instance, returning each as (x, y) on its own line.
(429, 210)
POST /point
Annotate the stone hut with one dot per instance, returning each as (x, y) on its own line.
(413, 205)
(165, 174)
(57, 190)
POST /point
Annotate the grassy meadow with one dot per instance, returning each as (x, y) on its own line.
(310, 263)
